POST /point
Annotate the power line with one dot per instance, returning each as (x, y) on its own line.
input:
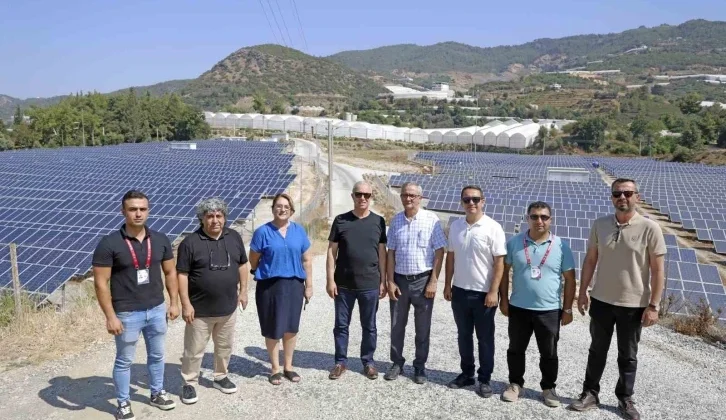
(302, 32)
(276, 23)
(268, 22)
(282, 17)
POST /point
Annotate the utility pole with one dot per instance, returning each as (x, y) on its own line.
(544, 139)
(330, 170)
(83, 129)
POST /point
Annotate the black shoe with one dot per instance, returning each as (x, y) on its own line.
(162, 401)
(189, 394)
(484, 390)
(124, 411)
(419, 376)
(393, 372)
(626, 408)
(225, 385)
(461, 381)
(587, 401)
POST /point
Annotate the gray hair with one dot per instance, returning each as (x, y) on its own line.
(209, 205)
(412, 184)
(360, 183)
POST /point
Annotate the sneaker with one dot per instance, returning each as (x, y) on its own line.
(461, 381)
(587, 401)
(189, 394)
(484, 390)
(225, 385)
(419, 376)
(550, 398)
(626, 408)
(124, 411)
(162, 401)
(338, 370)
(512, 393)
(393, 372)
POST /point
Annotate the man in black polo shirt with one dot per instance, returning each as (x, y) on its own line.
(356, 270)
(131, 260)
(213, 269)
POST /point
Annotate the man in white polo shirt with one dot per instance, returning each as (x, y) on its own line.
(475, 263)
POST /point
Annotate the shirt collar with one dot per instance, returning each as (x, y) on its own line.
(550, 238)
(125, 235)
(633, 220)
(203, 235)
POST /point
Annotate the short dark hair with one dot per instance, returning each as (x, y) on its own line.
(624, 181)
(539, 205)
(133, 194)
(472, 187)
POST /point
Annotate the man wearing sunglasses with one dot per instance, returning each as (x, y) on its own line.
(474, 262)
(416, 245)
(356, 271)
(213, 270)
(625, 259)
(539, 260)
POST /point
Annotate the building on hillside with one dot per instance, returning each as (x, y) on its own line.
(440, 91)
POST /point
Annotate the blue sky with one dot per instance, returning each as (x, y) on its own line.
(58, 47)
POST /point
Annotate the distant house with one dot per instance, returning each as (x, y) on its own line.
(555, 86)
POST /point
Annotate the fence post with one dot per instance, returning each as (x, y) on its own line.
(16, 278)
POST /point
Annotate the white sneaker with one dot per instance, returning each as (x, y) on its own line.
(512, 393)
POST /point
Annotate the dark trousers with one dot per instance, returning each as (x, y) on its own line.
(412, 293)
(603, 317)
(546, 328)
(470, 315)
(367, 306)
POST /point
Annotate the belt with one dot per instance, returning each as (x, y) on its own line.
(412, 277)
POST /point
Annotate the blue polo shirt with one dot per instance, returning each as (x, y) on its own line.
(280, 257)
(543, 294)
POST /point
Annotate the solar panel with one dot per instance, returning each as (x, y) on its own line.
(56, 204)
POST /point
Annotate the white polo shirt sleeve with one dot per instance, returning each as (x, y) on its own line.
(499, 241)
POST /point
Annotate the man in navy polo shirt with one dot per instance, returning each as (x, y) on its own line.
(131, 260)
(539, 260)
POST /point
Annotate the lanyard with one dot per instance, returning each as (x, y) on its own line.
(547, 253)
(133, 254)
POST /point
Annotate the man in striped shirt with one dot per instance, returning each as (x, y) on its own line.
(416, 244)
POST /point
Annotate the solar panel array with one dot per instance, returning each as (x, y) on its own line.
(56, 204)
(511, 182)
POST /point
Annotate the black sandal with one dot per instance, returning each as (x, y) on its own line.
(292, 376)
(275, 379)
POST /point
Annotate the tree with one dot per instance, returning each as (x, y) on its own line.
(691, 137)
(18, 117)
(721, 142)
(690, 104)
(258, 103)
(592, 129)
(278, 108)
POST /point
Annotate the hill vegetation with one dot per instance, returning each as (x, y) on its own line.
(276, 73)
(696, 42)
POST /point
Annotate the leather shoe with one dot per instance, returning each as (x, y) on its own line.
(419, 376)
(337, 371)
(370, 372)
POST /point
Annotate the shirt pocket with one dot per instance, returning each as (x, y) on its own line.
(422, 240)
(481, 243)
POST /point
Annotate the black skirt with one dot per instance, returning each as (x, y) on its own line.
(279, 305)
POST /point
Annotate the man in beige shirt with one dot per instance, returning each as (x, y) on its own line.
(628, 251)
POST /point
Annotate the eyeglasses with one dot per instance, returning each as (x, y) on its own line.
(362, 194)
(627, 194)
(214, 265)
(410, 196)
(543, 217)
(467, 200)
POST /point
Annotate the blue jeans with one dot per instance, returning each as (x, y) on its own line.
(152, 324)
(368, 306)
(471, 315)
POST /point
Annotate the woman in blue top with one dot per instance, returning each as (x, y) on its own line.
(282, 265)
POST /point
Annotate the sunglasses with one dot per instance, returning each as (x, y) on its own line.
(362, 194)
(543, 217)
(627, 194)
(468, 200)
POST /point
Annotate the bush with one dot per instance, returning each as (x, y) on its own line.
(621, 148)
(682, 154)
(700, 323)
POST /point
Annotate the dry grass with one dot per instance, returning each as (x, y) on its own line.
(46, 334)
(701, 323)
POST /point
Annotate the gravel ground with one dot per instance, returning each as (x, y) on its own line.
(677, 377)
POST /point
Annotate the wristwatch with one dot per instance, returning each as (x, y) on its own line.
(567, 311)
(653, 307)
(252, 272)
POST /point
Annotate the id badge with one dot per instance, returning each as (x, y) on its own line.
(536, 273)
(142, 276)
